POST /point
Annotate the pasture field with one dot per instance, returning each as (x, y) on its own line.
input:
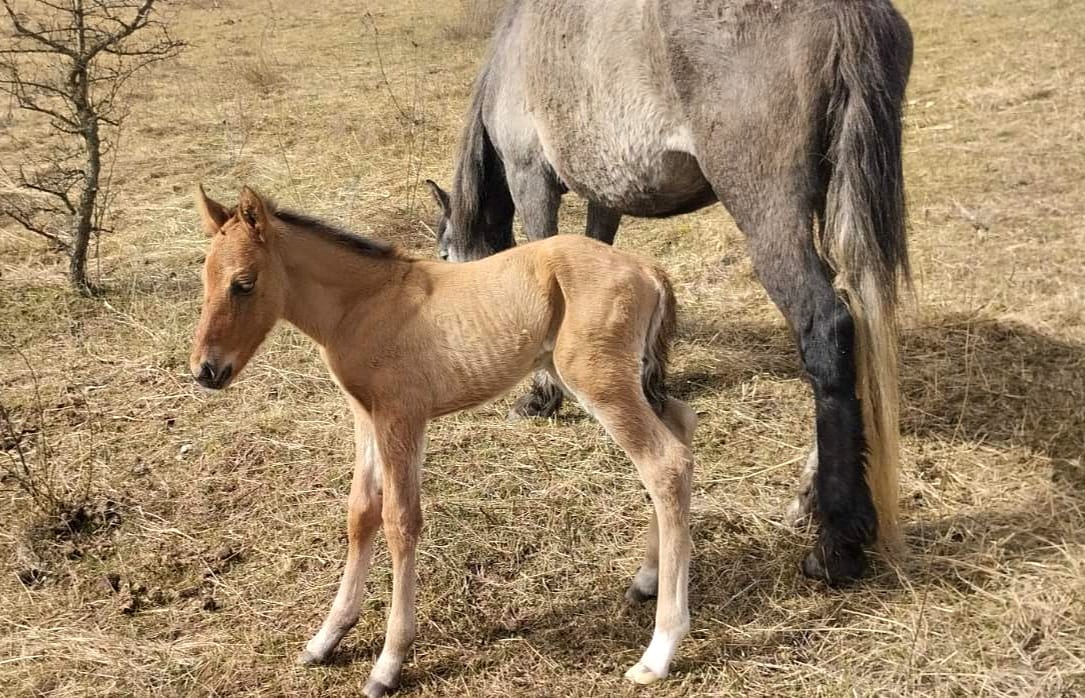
(212, 535)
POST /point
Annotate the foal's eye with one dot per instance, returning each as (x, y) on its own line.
(241, 287)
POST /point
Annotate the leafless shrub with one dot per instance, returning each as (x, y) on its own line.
(68, 64)
(26, 462)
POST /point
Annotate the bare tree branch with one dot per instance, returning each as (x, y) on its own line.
(70, 62)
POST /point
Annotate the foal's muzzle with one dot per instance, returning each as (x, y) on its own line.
(214, 377)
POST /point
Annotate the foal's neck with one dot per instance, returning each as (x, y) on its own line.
(327, 279)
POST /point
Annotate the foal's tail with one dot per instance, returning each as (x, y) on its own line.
(657, 344)
(863, 232)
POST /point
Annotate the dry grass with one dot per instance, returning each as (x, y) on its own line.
(229, 540)
(474, 21)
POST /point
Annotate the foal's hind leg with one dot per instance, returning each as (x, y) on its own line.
(681, 420)
(615, 397)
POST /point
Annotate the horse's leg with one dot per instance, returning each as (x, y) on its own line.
(681, 420)
(363, 520)
(543, 399)
(602, 223)
(401, 446)
(800, 284)
(778, 222)
(537, 196)
(665, 465)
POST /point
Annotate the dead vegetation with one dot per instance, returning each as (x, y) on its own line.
(227, 540)
(474, 20)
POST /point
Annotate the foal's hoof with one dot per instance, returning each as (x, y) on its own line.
(534, 405)
(307, 658)
(376, 689)
(640, 674)
(837, 568)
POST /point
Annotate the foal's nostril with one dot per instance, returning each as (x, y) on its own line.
(207, 374)
(211, 376)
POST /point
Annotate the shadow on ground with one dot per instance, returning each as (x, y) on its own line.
(962, 379)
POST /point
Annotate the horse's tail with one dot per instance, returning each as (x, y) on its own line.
(863, 232)
(657, 343)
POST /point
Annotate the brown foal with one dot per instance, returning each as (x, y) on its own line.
(408, 340)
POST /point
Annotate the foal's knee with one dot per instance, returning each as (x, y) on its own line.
(402, 529)
(363, 515)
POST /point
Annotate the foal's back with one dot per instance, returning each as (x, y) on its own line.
(456, 335)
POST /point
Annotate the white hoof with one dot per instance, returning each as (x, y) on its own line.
(642, 675)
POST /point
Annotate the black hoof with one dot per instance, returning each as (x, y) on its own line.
(838, 566)
(637, 596)
(536, 404)
(376, 689)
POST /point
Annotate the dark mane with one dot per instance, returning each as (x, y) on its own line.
(482, 206)
(349, 240)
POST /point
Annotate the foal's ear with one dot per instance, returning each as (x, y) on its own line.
(213, 215)
(254, 213)
(440, 196)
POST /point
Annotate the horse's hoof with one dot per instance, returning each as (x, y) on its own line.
(842, 567)
(642, 675)
(532, 406)
(306, 658)
(376, 689)
(636, 595)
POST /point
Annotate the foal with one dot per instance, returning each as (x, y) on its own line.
(408, 340)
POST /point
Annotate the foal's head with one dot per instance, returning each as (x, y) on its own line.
(244, 284)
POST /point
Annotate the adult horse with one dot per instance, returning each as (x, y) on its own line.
(786, 111)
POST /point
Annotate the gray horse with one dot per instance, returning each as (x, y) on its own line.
(786, 111)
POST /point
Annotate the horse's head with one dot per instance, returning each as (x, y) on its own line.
(491, 231)
(444, 221)
(244, 284)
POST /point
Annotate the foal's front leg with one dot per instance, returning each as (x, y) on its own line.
(363, 519)
(401, 446)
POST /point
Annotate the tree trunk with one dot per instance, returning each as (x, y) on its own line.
(83, 225)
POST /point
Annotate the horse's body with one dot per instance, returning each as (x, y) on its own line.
(788, 112)
(408, 340)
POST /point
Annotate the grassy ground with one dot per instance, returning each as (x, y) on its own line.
(213, 536)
